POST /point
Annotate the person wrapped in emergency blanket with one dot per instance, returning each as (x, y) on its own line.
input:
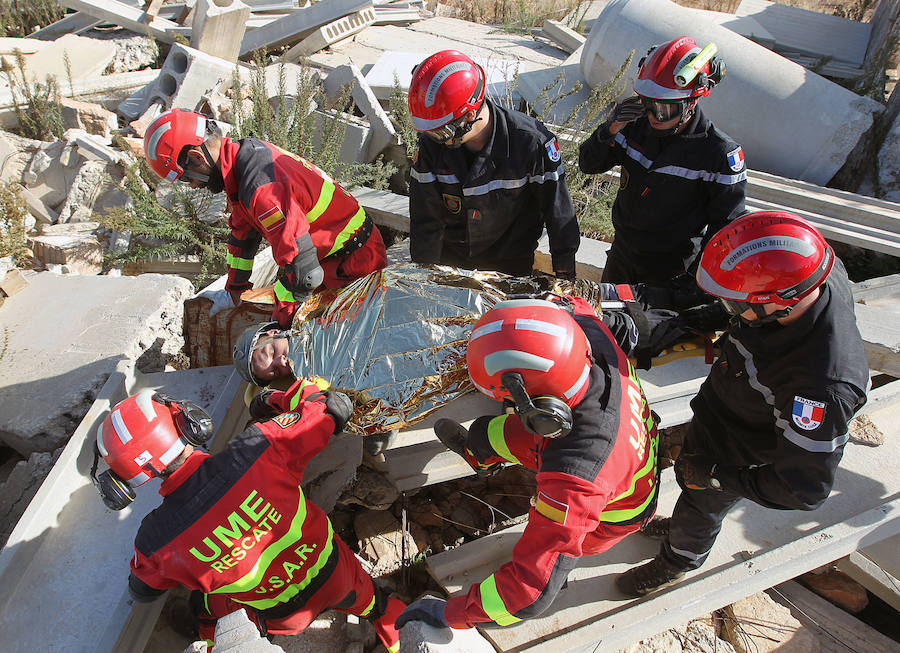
(395, 341)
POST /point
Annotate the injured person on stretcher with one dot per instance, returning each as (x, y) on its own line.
(395, 341)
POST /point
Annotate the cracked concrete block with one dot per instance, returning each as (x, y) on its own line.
(79, 251)
(91, 181)
(89, 116)
(63, 336)
(218, 27)
(16, 154)
(92, 147)
(382, 130)
(235, 633)
(19, 488)
(299, 24)
(50, 175)
(335, 31)
(355, 146)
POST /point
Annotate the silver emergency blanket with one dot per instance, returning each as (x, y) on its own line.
(395, 341)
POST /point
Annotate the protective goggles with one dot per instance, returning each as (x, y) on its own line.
(453, 130)
(663, 111)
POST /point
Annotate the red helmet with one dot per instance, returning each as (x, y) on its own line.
(166, 136)
(535, 338)
(443, 88)
(765, 256)
(143, 434)
(658, 70)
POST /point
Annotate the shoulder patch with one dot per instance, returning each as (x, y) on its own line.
(736, 159)
(271, 219)
(807, 414)
(286, 419)
(552, 148)
(551, 508)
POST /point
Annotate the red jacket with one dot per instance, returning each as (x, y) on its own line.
(237, 523)
(280, 196)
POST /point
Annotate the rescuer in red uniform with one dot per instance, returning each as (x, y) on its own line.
(582, 422)
(236, 527)
(320, 235)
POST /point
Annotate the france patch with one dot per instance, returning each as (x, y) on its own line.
(807, 414)
(736, 159)
(552, 149)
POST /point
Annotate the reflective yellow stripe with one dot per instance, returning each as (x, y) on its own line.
(283, 294)
(254, 577)
(238, 263)
(394, 648)
(496, 439)
(322, 203)
(493, 605)
(351, 228)
(629, 513)
(368, 607)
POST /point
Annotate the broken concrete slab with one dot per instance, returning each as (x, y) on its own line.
(16, 153)
(78, 251)
(299, 24)
(63, 337)
(335, 31)
(562, 35)
(419, 637)
(235, 633)
(70, 57)
(93, 191)
(9, 45)
(185, 76)
(41, 212)
(70, 24)
(19, 489)
(382, 129)
(128, 16)
(51, 171)
(218, 27)
(89, 116)
(757, 624)
(790, 121)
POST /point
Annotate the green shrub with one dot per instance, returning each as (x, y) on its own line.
(36, 104)
(12, 223)
(21, 17)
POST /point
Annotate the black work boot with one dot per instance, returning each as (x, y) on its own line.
(452, 435)
(647, 578)
(657, 528)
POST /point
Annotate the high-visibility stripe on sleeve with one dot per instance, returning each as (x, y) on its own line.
(321, 203)
(368, 607)
(498, 441)
(283, 294)
(351, 228)
(239, 263)
(493, 605)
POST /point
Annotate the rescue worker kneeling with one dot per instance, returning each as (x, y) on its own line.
(236, 527)
(581, 420)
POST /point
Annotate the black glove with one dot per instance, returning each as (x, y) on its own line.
(305, 269)
(696, 472)
(627, 110)
(260, 407)
(337, 405)
(429, 609)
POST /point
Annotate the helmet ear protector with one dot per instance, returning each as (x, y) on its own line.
(194, 426)
(546, 416)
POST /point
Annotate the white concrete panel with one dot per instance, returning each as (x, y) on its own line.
(295, 26)
(790, 121)
(119, 13)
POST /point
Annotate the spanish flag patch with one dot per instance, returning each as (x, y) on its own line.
(551, 508)
(271, 218)
(286, 419)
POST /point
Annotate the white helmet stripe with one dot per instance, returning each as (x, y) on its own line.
(200, 130)
(100, 445)
(483, 390)
(119, 427)
(144, 401)
(571, 392)
(768, 243)
(440, 77)
(513, 359)
(526, 324)
(708, 284)
(138, 479)
(153, 141)
(486, 329)
(172, 453)
(424, 124)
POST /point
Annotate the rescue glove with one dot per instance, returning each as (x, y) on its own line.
(304, 274)
(627, 110)
(260, 406)
(337, 405)
(696, 472)
(429, 609)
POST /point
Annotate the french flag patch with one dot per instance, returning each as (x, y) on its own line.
(808, 414)
(552, 149)
(736, 159)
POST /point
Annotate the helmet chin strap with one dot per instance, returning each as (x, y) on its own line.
(461, 131)
(766, 318)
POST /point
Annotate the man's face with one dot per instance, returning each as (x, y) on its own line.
(269, 360)
(198, 173)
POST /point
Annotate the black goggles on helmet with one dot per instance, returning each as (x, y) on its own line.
(663, 110)
(453, 130)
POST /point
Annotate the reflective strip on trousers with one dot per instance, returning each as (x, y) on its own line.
(649, 468)
(352, 227)
(493, 605)
(497, 441)
(238, 263)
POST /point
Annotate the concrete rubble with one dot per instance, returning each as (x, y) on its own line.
(64, 335)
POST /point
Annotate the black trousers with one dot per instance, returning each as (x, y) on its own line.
(696, 520)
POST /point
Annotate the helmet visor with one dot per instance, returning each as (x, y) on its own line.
(663, 111)
(453, 130)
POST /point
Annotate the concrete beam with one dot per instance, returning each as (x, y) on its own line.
(218, 27)
(790, 121)
(335, 31)
(71, 24)
(297, 25)
(119, 13)
(565, 37)
(757, 549)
